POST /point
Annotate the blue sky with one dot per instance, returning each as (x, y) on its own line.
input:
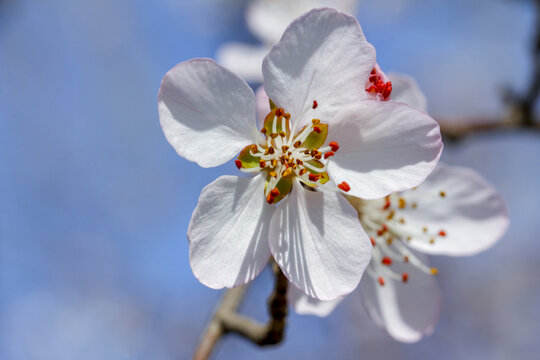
(95, 203)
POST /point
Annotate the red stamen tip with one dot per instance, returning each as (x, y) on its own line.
(442, 233)
(386, 261)
(280, 112)
(405, 277)
(238, 163)
(334, 145)
(315, 104)
(372, 241)
(317, 129)
(313, 177)
(269, 199)
(344, 186)
(274, 192)
(387, 204)
(381, 281)
(328, 154)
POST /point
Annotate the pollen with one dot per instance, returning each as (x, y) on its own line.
(334, 145)
(315, 104)
(406, 259)
(387, 203)
(272, 173)
(344, 186)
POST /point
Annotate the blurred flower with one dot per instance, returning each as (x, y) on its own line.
(267, 20)
(315, 72)
(454, 212)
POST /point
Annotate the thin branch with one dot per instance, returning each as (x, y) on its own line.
(227, 320)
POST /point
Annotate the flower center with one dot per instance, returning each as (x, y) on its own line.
(284, 154)
(384, 221)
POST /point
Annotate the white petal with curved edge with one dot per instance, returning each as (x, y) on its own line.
(383, 147)
(323, 56)
(306, 305)
(228, 232)
(206, 112)
(268, 19)
(243, 59)
(407, 311)
(472, 214)
(318, 242)
(406, 90)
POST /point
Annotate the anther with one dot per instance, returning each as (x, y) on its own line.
(286, 172)
(274, 192)
(272, 174)
(334, 145)
(391, 215)
(414, 205)
(280, 112)
(401, 203)
(424, 229)
(263, 130)
(302, 172)
(314, 177)
(344, 186)
(317, 129)
(284, 148)
(273, 135)
(382, 230)
(274, 162)
(297, 144)
(442, 194)
(316, 121)
(387, 203)
(381, 281)
(269, 198)
(238, 163)
(432, 241)
(433, 271)
(373, 243)
(406, 259)
(328, 154)
(404, 277)
(262, 163)
(386, 261)
(315, 104)
(271, 150)
(442, 233)
(282, 133)
(253, 148)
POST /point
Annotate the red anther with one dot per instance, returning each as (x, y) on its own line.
(373, 71)
(442, 233)
(387, 90)
(238, 163)
(386, 261)
(387, 204)
(317, 129)
(344, 186)
(371, 89)
(313, 177)
(280, 112)
(274, 192)
(373, 78)
(372, 241)
(334, 145)
(315, 104)
(269, 198)
(381, 281)
(405, 277)
(328, 154)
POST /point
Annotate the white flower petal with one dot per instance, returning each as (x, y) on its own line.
(318, 242)
(306, 305)
(406, 90)
(407, 311)
(243, 59)
(262, 105)
(383, 147)
(323, 56)
(472, 214)
(228, 232)
(268, 19)
(207, 113)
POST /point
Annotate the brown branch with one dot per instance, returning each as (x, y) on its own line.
(454, 130)
(227, 320)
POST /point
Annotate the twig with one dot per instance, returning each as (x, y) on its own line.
(227, 320)
(457, 130)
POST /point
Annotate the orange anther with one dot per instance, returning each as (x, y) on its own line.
(344, 186)
(328, 154)
(381, 281)
(405, 277)
(372, 241)
(387, 204)
(442, 233)
(334, 145)
(386, 261)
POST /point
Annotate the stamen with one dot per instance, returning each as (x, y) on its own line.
(238, 164)
(404, 277)
(334, 145)
(434, 271)
(344, 186)
(386, 261)
(442, 194)
(328, 154)
(315, 104)
(373, 243)
(381, 281)
(274, 192)
(442, 233)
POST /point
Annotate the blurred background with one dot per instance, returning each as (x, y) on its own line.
(95, 203)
